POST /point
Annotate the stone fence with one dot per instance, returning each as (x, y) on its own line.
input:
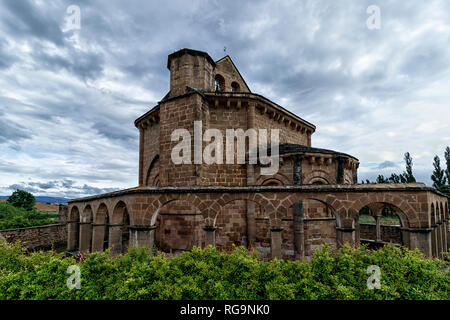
(39, 237)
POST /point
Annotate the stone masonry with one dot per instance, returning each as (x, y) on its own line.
(312, 200)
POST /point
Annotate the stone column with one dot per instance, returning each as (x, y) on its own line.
(142, 236)
(275, 242)
(115, 238)
(297, 169)
(251, 225)
(340, 171)
(98, 237)
(85, 236)
(420, 238)
(445, 223)
(72, 235)
(405, 237)
(345, 235)
(378, 228)
(210, 235)
(439, 239)
(299, 232)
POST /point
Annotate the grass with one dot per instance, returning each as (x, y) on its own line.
(385, 220)
(12, 217)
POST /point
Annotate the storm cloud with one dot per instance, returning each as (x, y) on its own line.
(68, 98)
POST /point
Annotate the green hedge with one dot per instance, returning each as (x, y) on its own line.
(210, 274)
(12, 217)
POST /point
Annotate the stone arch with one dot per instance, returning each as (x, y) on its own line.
(235, 87)
(219, 83)
(408, 216)
(100, 232)
(152, 172)
(119, 235)
(259, 198)
(178, 226)
(73, 229)
(317, 175)
(310, 224)
(86, 229)
(278, 178)
(154, 208)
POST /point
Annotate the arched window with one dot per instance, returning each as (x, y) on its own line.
(235, 86)
(219, 83)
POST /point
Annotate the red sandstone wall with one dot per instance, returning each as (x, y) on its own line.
(38, 237)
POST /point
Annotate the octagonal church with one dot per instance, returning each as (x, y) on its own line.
(313, 199)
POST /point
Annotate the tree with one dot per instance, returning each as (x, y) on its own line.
(447, 161)
(22, 199)
(408, 175)
(438, 174)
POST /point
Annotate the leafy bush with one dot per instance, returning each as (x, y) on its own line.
(13, 217)
(22, 199)
(210, 274)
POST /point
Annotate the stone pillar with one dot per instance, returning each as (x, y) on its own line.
(299, 232)
(251, 115)
(210, 235)
(445, 226)
(251, 225)
(340, 171)
(72, 235)
(115, 238)
(297, 169)
(378, 228)
(346, 235)
(420, 238)
(85, 236)
(439, 239)
(275, 242)
(433, 241)
(405, 237)
(98, 237)
(141, 236)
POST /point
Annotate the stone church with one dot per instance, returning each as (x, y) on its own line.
(312, 200)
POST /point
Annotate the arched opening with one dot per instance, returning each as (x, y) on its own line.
(86, 230)
(310, 224)
(235, 87)
(73, 229)
(119, 234)
(153, 172)
(100, 232)
(219, 83)
(178, 227)
(272, 182)
(380, 224)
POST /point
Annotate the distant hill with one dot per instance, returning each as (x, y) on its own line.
(43, 199)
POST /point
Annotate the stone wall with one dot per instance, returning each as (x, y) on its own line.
(388, 233)
(40, 237)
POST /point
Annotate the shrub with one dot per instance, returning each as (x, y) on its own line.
(210, 274)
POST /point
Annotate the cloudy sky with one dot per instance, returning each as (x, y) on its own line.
(68, 98)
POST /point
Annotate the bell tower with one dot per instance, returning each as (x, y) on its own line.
(190, 68)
